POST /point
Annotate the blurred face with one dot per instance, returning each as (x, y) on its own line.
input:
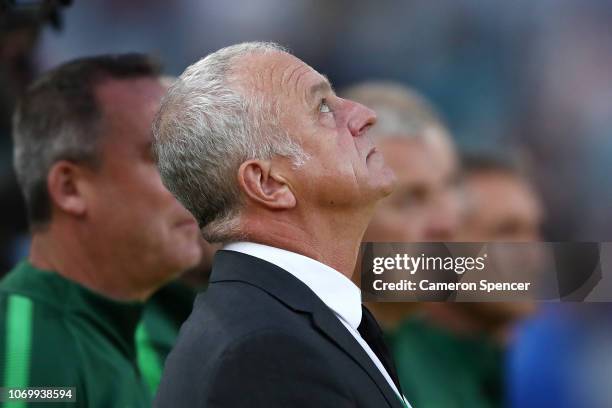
(503, 207)
(344, 169)
(132, 209)
(425, 203)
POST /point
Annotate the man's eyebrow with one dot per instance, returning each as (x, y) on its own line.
(320, 87)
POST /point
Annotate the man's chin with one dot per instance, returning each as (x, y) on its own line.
(192, 257)
(388, 181)
(186, 254)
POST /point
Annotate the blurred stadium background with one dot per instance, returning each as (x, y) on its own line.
(531, 77)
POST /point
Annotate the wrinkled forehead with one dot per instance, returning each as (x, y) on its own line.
(279, 75)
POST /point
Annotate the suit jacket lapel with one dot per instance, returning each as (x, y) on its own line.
(329, 324)
(235, 266)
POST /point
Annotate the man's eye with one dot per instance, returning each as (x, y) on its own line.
(324, 107)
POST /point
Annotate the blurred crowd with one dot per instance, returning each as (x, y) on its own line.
(495, 117)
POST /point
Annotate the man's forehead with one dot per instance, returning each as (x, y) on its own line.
(129, 106)
(279, 72)
(126, 86)
(505, 188)
(125, 95)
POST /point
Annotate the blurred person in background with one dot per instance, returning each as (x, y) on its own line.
(425, 204)
(452, 354)
(441, 362)
(502, 204)
(271, 161)
(106, 234)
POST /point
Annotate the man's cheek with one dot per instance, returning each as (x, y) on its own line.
(328, 122)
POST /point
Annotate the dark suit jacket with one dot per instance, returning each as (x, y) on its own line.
(258, 337)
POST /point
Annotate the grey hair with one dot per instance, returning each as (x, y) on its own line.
(401, 111)
(207, 126)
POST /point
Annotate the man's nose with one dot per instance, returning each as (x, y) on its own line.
(360, 119)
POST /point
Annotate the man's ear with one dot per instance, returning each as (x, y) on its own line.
(65, 186)
(261, 184)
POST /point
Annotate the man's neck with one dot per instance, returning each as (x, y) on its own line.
(333, 241)
(68, 255)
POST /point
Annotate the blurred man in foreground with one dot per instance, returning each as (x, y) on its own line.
(106, 233)
(256, 144)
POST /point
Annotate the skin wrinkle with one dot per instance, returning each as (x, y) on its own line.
(287, 81)
(269, 75)
(295, 87)
(357, 150)
(277, 86)
(355, 179)
(320, 88)
(258, 78)
(298, 80)
(285, 231)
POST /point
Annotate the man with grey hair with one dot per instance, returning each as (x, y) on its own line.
(106, 233)
(270, 161)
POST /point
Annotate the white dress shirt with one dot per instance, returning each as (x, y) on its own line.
(337, 291)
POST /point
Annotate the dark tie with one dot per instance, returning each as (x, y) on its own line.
(372, 334)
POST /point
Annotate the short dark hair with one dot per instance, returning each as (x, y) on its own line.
(59, 118)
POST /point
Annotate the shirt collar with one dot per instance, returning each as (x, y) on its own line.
(332, 287)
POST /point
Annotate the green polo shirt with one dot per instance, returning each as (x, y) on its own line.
(60, 334)
(163, 316)
(438, 369)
